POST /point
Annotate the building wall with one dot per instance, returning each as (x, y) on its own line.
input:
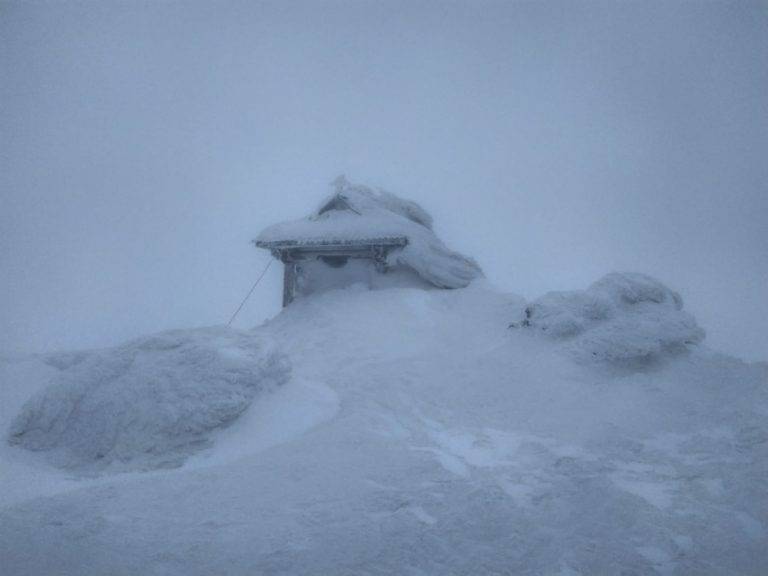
(314, 276)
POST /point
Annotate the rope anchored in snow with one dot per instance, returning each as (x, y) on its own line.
(250, 291)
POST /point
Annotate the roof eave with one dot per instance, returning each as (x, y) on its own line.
(332, 243)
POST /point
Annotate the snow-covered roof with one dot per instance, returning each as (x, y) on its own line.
(355, 215)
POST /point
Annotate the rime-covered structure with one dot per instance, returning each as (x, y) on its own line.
(362, 235)
(624, 319)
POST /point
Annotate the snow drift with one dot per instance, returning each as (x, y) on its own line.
(149, 403)
(439, 442)
(624, 319)
(354, 212)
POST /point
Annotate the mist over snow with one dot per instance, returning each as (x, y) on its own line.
(144, 144)
(527, 336)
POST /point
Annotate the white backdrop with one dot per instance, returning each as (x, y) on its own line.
(144, 145)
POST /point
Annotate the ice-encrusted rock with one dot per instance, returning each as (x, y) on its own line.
(623, 318)
(149, 403)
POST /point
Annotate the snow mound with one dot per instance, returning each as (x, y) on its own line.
(357, 213)
(149, 403)
(622, 319)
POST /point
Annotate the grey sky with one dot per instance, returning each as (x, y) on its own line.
(144, 144)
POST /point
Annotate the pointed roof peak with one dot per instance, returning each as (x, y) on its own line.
(340, 183)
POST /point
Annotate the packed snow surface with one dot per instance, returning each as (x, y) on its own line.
(420, 434)
(357, 213)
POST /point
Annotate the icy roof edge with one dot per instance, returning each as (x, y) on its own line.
(325, 242)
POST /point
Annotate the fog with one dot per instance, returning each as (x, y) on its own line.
(143, 145)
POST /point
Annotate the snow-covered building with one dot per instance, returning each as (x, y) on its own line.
(362, 235)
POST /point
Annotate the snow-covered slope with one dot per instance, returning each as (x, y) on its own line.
(419, 434)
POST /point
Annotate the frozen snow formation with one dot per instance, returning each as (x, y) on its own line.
(149, 403)
(624, 319)
(354, 212)
(440, 442)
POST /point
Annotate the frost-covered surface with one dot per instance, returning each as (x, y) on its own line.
(441, 442)
(624, 319)
(147, 404)
(358, 213)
